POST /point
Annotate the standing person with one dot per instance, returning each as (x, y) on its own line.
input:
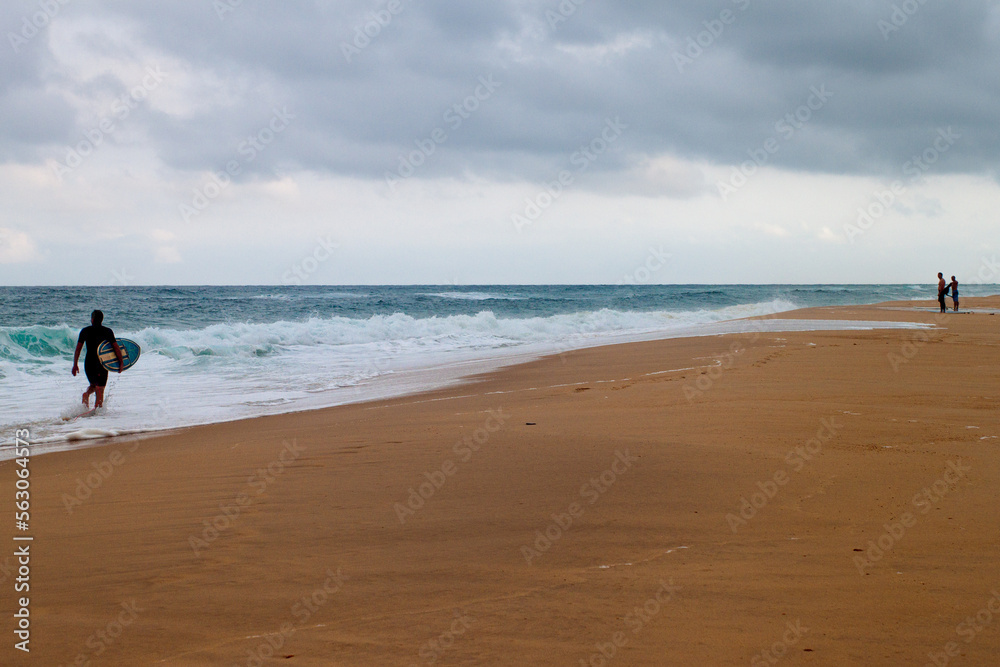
(97, 374)
(942, 290)
(953, 285)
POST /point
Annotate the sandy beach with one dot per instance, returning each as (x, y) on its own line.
(823, 498)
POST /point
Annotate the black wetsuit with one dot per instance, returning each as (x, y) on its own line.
(93, 336)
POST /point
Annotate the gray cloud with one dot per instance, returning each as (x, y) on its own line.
(561, 76)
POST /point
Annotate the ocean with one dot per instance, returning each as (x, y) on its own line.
(213, 354)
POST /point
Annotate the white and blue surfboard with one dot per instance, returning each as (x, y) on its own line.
(130, 354)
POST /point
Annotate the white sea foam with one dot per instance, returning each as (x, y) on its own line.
(472, 296)
(236, 370)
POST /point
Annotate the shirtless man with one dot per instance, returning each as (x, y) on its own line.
(953, 286)
(942, 290)
(97, 374)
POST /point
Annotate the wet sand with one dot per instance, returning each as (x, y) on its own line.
(764, 498)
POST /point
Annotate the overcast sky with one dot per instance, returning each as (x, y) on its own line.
(509, 141)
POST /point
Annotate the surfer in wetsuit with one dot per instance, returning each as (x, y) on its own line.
(97, 374)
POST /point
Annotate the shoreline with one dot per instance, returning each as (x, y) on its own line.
(300, 349)
(587, 502)
(458, 372)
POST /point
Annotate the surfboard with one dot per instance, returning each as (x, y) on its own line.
(130, 354)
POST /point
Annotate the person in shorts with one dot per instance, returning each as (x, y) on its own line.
(97, 374)
(953, 286)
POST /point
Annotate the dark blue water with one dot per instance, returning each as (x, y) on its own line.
(136, 308)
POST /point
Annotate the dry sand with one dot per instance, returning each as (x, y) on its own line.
(767, 497)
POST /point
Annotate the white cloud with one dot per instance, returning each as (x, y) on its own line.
(665, 175)
(771, 229)
(162, 235)
(604, 52)
(167, 255)
(829, 236)
(89, 50)
(16, 247)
